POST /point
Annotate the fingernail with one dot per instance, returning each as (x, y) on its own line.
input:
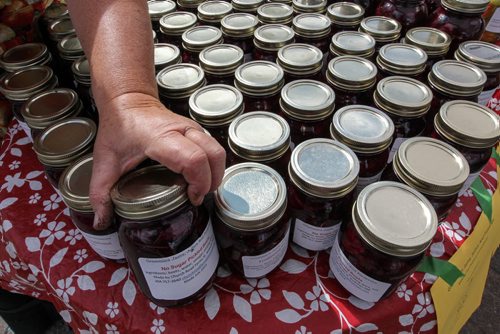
(98, 223)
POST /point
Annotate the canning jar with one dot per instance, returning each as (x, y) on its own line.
(384, 30)
(352, 43)
(195, 39)
(353, 80)
(211, 12)
(173, 25)
(314, 29)
(345, 16)
(190, 6)
(157, 9)
(169, 244)
(59, 29)
(260, 83)
(246, 6)
(434, 42)
(74, 188)
(251, 220)
(25, 55)
(300, 61)
(54, 12)
(384, 242)
(219, 62)
(70, 49)
(307, 106)
(323, 175)
(309, 6)
(410, 13)
(166, 55)
(275, 13)
(401, 59)
(238, 29)
(83, 83)
(369, 133)
(269, 38)
(63, 143)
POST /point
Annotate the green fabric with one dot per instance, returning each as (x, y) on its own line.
(495, 156)
(444, 269)
(483, 197)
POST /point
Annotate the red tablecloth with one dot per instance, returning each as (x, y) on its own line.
(43, 254)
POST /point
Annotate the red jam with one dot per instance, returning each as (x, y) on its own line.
(345, 16)
(410, 13)
(300, 61)
(219, 62)
(269, 38)
(383, 29)
(173, 25)
(238, 30)
(195, 39)
(314, 29)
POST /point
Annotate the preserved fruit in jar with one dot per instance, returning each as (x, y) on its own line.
(410, 13)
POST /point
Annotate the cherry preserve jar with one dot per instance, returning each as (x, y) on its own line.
(383, 29)
(314, 29)
(169, 244)
(247, 6)
(345, 16)
(352, 43)
(59, 29)
(275, 13)
(25, 55)
(260, 137)
(157, 9)
(323, 175)
(260, 82)
(410, 13)
(384, 242)
(353, 80)
(251, 221)
(401, 59)
(166, 55)
(83, 83)
(219, 62)
(269, 38)
(238, 30)
(309, 6)
(173, 25)
(434, 42)
(307, 106)
(211, 12)
(472, 129)
(369, 133)
(300, 61)
(74, 188)
(63, 143)
(195, 39)
(190, 6)
(70, 50)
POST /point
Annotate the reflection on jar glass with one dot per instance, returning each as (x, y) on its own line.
(383, 29)
(238, 29)
(345, 16)
(211, 12)
(195, 39)
(269, 38)
(314, 29)
(434, 42)
(173, 25)
(219, 62)
(401, 59)
(157, 9)
(275, 13)
(300, 61)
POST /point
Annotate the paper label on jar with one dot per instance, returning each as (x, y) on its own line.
(182, 275)
(314, 238)
(486, 96)
(107, 246)
(494, 24)
(468, 182)
(395, 147)
(261, 265)
(352, 279)
(365, 181)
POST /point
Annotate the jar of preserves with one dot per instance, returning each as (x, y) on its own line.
(384, 242)
(352, 43)
(260, 82)
(368, 5)
(219, 62)
(353, 80)
(190, 6)
(275, 13)
(70, 49)
(261, 137)
(60, 28)
(25, 55)
(383, 29)
(410, 13)
(164, 235)
(323, 176)
(63, 143)
(434, 42)
(309, 6)
(173, 25)
(369, 133)
(300, 61)
(166, 55)
(195, 39)
(74, 188)
(83, 83)
(176, 83)
(401, 59)
(157, 9)
(238, 30)
(251, 221)
(307, 106)
(55, 11)
(314, 29)
(345, 16)
(269, 38)
(246, 6)
(211, 12)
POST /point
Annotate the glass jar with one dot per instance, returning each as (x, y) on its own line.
(166, 55)
(173, 25)
(169, 244)
(54, 12)
(219, 62)
(300, 61)
(472, 129)
(246, 6)
(190, 6)
(176, 83)
(384, 242)
(83, 83)
(275, 13)
(313, 29)
(368, 5)
(352, 43)
(74, 188)
(157, 9)
(269, 38)
(59, 29)
(260, 82)
(369, 133)
(434, 168)
(214, 107)
(383, 29)
(211, 12)
(195, 39)
(323, 175)
(25, 55)
(410, 13)
(309, 6)
(238, 30)
(70, 50)
(353, 80)
(401, 59)
(261, 137)
(434, 42)
(345, 16)
(251, 220)
(63, 143)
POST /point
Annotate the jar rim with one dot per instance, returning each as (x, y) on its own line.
(266, 37)
(262, 81)
(490, 64)
(158, 8)
(177, 28)
(242, 30)
(413, 63)
(378, 34)
(17, 57)
(302, 27)
(274, 17)
(76, 195)
(195, 80)
(345, 13)
(222, 68)
(289, 62)
(197, 38)
(439, 78)
(466, 6)
(437, 42)
(317, 107)
(364, 48)
(350, 80)
(20, 91)
(215, 15)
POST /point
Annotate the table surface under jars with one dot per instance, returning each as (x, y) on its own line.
(43, 254)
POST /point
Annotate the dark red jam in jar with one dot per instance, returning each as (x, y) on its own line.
(169, 244)
(307, 105)
(314, 29)
(173, 25)
(401, 59)
(352, 43)
(251, 221)
(260, 82)
(275, 13)
(219, 62)
(261, 137)
(166, 55)
(323, 175)
(62, 143)
(309, 6)
(345, 16)
(383, 29)
(432, 167)
(238, 29)
(434, 42)
(269, 38)
(246, 6)
(214, 107)
(369, 133)
(157, 9)
(472, 129)
(74, 188)
(353, 80)
(211, 12)
(195, 39)
(177, 83)
(410, 13)
(300, 61)
(24, 55)
(384, 242)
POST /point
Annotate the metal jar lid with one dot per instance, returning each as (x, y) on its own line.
(191, 4)
(300, 59)
(251, 197)
(221, 59)
(148, 192)
(259, 78)
(259, 136)
(433, 41)
(402, 96)
(271, 37)
(351, 73)
(65, 141)
(484, 55)
(239, 25)
(352, 43)
(309, 6)
(25, 55)
(55, 11)
(273, 12)
(74, 184)
(312, 25)
(466, 6)
(324, 168)
(81, 71)
(174, 24)
(70, 48)
(158, 8)
(402, 59)
(22, 84)
(180, 80)
(246, 6)
(197, 38)
(431, 166)
(215, 105)
(382, 29)
(61, 28)
(345, 13)
(468, 124)
(214, 11)
(363, 129)
(395, 219)
(307, 100)
(166, 55)
(457, 78)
